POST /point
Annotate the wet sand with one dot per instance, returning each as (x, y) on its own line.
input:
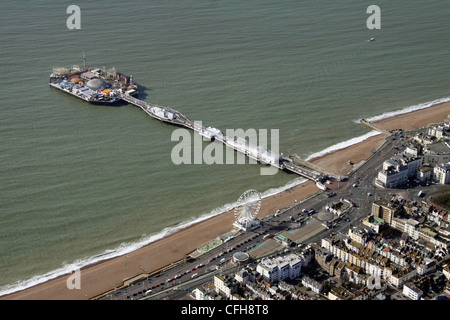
(109, 274)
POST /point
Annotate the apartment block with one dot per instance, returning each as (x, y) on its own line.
(280, 268)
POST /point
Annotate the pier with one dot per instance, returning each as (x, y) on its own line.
(375, 127)
(258, 153)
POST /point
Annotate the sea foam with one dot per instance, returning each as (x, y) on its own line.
(352, 141)
(390, 114)
(343, 144)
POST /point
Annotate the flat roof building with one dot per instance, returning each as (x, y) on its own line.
(280, 268)
(441, 173)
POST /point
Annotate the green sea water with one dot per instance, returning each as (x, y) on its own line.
(80, 183)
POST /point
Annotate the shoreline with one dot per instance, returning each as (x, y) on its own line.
(105, 275)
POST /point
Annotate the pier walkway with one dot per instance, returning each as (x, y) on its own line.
(309, 165)
(164, 114)
(258, 153)
(375, 127)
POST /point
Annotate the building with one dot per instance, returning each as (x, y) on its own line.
(327, 262)
(411, 228)
(392, 178)
(396, 171)
(427, 266)
(411, 291)
(225, 285)
(425, 173)
(417, 232)
(203, 293)
(424, 139)
(361, 262)
(374, 222)
(240, 257)
(280, 268)
(435, 158)
(358, 234)
(413, 149)
(446, 272)
(244, 276)
(338, 293)
(399, 278)
(441, 173)
(385, 209)
(86, 76)
(314, 285)
(354, 274)
(437, 131)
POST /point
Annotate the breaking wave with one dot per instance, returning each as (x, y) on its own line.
(406, 110)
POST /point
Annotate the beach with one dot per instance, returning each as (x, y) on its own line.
(109, 274)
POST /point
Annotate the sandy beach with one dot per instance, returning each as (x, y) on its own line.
(109, 274)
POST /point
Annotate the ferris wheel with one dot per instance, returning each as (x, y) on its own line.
(247, 208)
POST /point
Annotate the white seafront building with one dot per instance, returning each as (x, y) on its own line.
(396, 171)
(411, 291)
(441, 173)
(280, 268)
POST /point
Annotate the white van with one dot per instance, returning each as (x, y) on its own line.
(148, 291)
(194, 275)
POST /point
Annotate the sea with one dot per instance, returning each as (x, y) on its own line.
(80, 183)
